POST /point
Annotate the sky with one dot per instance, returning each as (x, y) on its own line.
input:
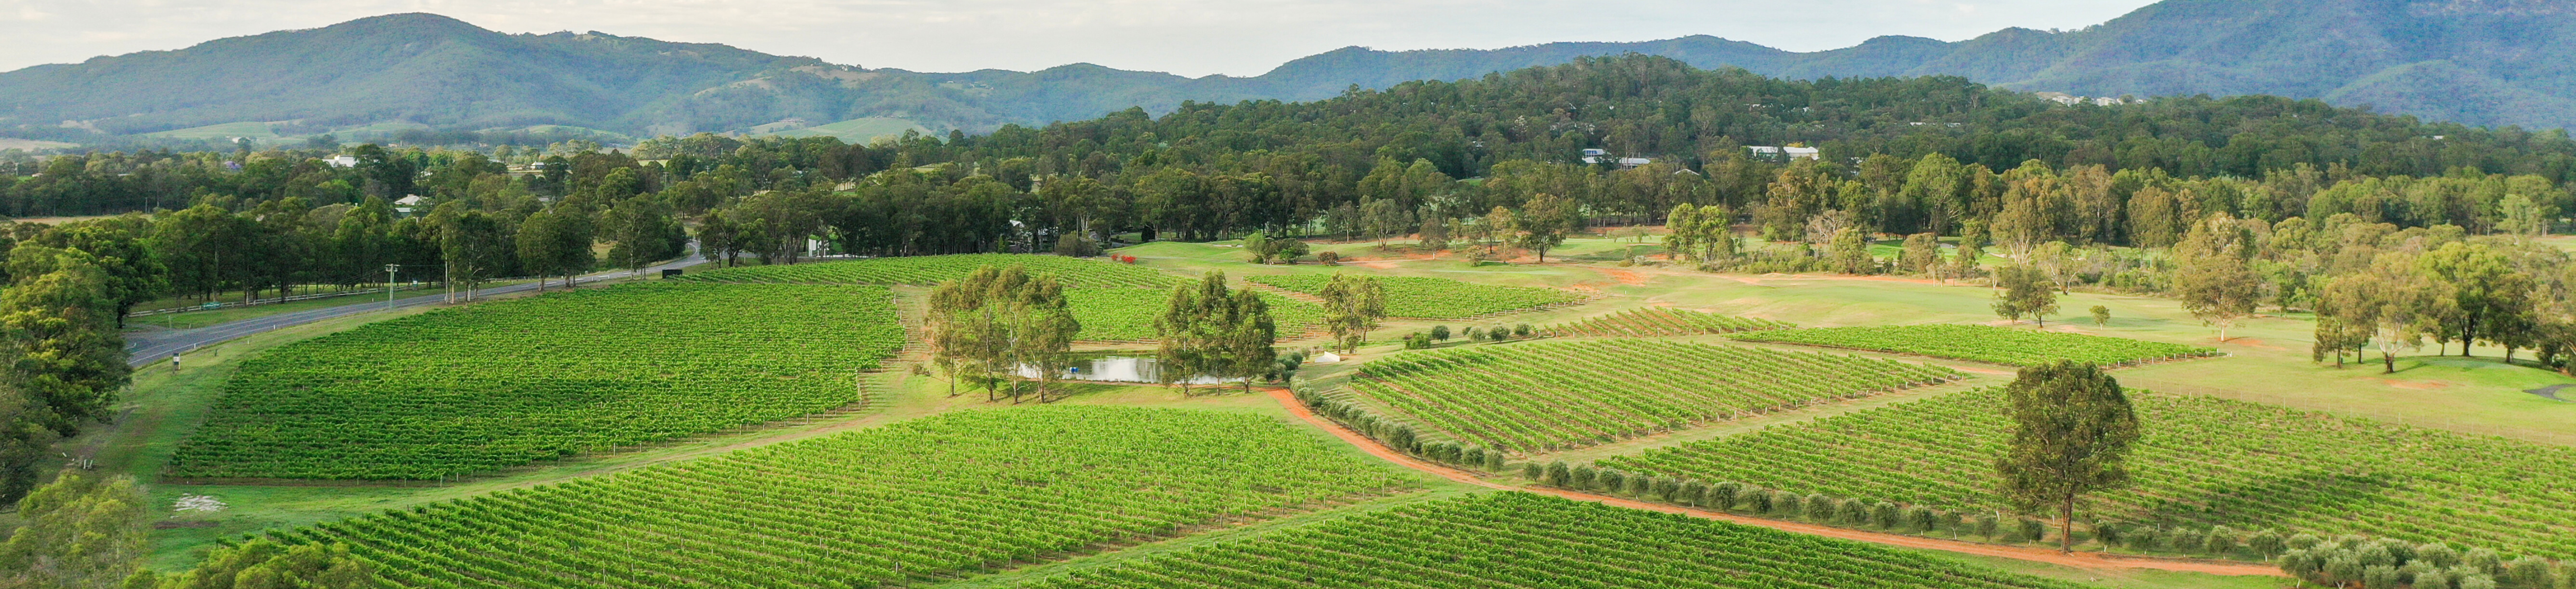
(1187, 37)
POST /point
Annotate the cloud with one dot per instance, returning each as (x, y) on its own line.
(1189, 37)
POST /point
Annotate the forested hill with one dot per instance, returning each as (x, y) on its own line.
(2481, 62)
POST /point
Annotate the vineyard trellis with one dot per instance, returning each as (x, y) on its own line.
(1435, 298)
(505, 383)
(1982, 343)
(941, 495)
(2202, 462)
(1127, 314)
(1512, 539)
(1660, 321)
(1560, 394)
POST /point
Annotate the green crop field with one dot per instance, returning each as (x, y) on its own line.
(1660, 321)
(1435, 298)
(931, 270)
(1128, 314)
(2203, 461)
(952, 493)
(505, 383)
(1981, 343)
(1554, 395)
(1524, 540)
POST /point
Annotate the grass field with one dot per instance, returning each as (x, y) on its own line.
(1543, 396)
(1982, 343)
(932, 270)
(1524, 540)
(966, 491)
(490, 386)
(2203, 461)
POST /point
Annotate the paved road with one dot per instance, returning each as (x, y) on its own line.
(146, 348)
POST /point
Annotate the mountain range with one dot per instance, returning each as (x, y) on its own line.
(2484, 62)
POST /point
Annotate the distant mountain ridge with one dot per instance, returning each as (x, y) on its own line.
(2486, 62)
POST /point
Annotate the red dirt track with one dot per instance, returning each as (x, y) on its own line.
(2089, 560)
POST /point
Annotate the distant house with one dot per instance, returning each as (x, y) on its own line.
(403, 207)
(1593, 156)
(345, 161)
(1782, 154)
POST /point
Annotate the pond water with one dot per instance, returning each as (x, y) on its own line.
(1120, 369)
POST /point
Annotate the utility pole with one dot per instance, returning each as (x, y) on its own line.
(389, 284)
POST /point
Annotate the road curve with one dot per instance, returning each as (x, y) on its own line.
(2087, 560)
(146, 348)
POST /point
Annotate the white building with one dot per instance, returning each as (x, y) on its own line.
(403, 207)
(1778, 153)
(345, 161)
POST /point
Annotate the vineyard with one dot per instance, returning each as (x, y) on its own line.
(1435, 298)
(506, 383)
(1553, 395)
(1660, 321)
(930, 270)
(943, 495)
(2203, 461)
(1127, 314)
(1982, 343)
(1523, 540)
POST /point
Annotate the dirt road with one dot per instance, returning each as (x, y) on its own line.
(2090, 560)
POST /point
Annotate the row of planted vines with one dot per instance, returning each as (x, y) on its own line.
(1561, 394)
(1660, 321)
(505, 383)
(1435, 298)
(1128, 314)
(930, 270)
(1522, 540)
(2203, 462)
(955, 493)
(1982, 343)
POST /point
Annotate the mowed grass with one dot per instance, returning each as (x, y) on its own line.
(2203, 461)
(932, 270)
(1544, 396)
(1434, 298)
(955, 493)
(1981, 343)
(1515, 539)
(472, 389)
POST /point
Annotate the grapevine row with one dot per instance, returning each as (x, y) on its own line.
(1512, 539)
(1982, 343)
(505, 383)
(1660, 321)
(1560, 394)
(1435, 298)
(2202, 462)
(937, 496)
